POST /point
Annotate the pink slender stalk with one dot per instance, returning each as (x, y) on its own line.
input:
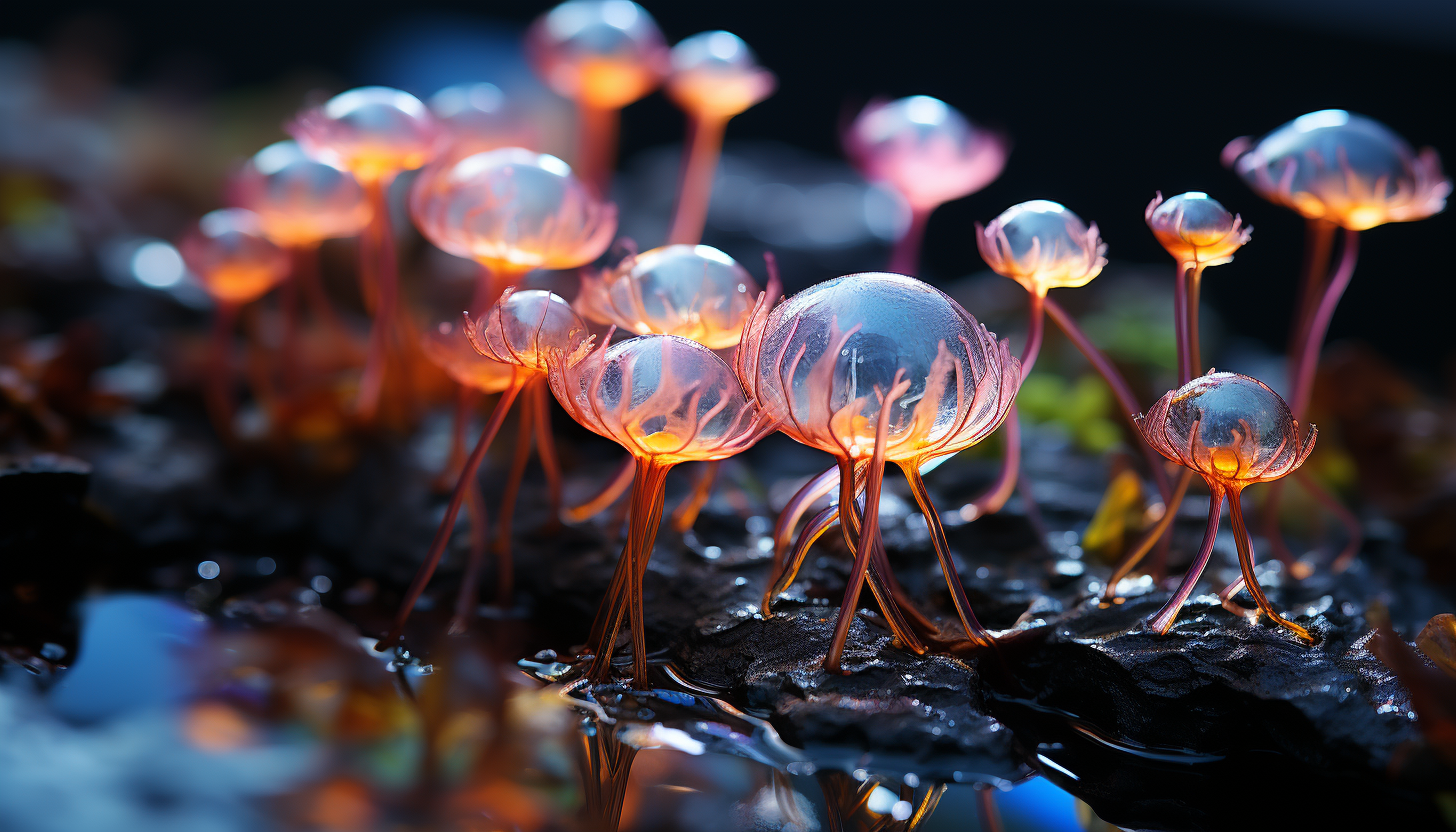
(615, 488)
(1165, 616)
(905, 256)
(442, 536)
(597, 146)
(1320, 324)
(697, 180)
(387, 288)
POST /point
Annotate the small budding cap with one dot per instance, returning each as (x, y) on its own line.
(600, 53)
(828, 360)
(1196, 229)
(716, 75)
(924, 150)
(1348, 169)
(375, 132)
(697, 292)
(231, 257)
(513, 210)
(449, 348)
(1230, 428)
(1042, 246)
(661, 397)
(299, 200)
(533, 329)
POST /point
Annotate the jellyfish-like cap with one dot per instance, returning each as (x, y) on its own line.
(697, 292)
(716, 75)
(1344, 168)
(1042, 245)
(375, 132)
(661, 397)
(513, 210)
(924, 150)
(474, 118)
(531, 329)
(299, 200)
(231, 257)
(1196, 229)
(448, 347)
(600, 53)
(826, 361)
(1230, 428)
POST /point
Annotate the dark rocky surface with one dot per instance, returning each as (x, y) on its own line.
(1167, 732)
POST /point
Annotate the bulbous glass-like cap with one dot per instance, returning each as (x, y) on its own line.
(530, 329)
(474, 118)
(828, 360)
(697, 292)
(600, 53)
(448, 347)
(1348, 169)
(375, 132)
(924, 150)
(716, 75)
(513, 210)
(661, 397)
(300, 201)
(1196, 229)
(1230, 428)
(231, 257)
(1042, 246)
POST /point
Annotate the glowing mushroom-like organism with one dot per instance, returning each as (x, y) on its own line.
(523, 331)
(375, 133)
(1344, 171)
(300, 202)
(925, 151)
(236, 264)
(1233, 431)
(715, 76)
(872, 368)
(603, 55)
(696, 292)
(666, 400)
(1199, 232)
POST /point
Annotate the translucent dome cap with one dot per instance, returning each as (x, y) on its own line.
(448, 347)
(231, 257)
(697, 292)
(513, 210)
(1345, 168)
(1195, 228)
(375, 132)
(530, 329)
(826, 361)
(474, 118)
(716, 75)
(300, 201)
(601, 53)
(924, 150)
(1230, 428)
(1042, 245)
(661, 397)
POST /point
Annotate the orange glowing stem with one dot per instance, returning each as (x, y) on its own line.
(624, 599)
(546, 453)
(288, 345)
(1246, 565)
(469, 584)
(1180, 324)
(794, 511)
(386, 275)
(615, 488)
(697, 179)
(452, 511)
(306, 272)
(1195, 351)
(973, 629)
(505, 571)
(1151, 536)
(686, 513)
(892, 599)
(596, 148)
